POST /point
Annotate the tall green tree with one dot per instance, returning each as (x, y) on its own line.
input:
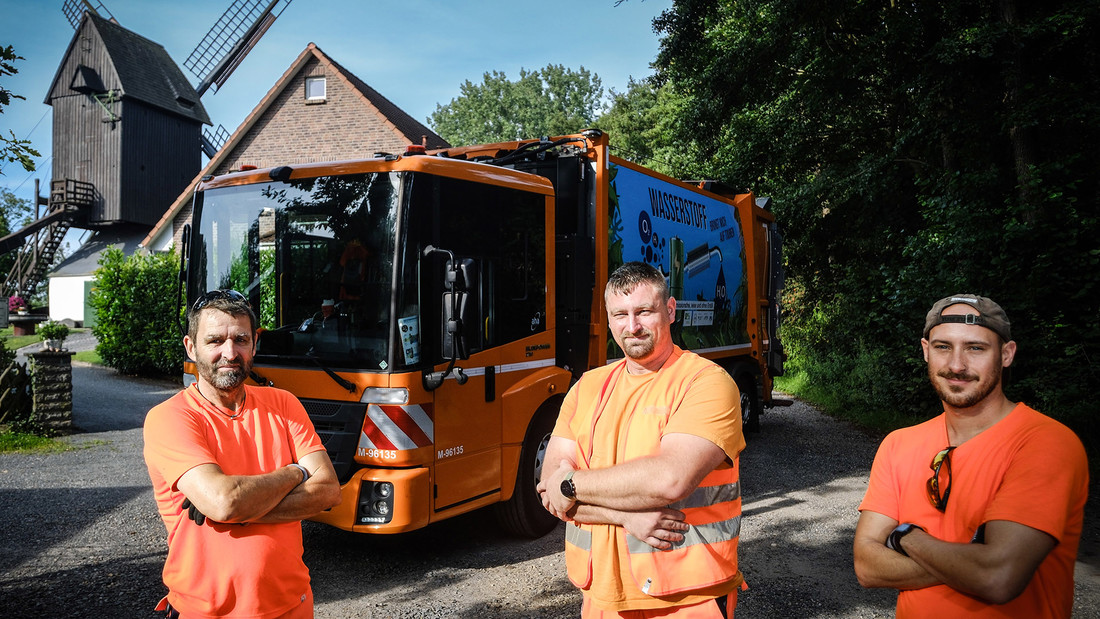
(13, 149)
(549, 101)
(643, 123)
(914, 150)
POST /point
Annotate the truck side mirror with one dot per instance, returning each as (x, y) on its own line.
(457, 278)
(454, 310)
(461, 280)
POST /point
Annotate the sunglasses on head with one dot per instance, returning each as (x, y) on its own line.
(213, 295)
(940, 461)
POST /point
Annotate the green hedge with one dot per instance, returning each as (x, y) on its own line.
(137, 318)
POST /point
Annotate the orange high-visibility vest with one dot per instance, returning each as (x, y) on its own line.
(707, 556)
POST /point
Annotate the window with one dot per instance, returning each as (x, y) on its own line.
(315, 89)
(503, 231)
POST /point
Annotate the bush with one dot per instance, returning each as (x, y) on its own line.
(51, 330)
(137, 318)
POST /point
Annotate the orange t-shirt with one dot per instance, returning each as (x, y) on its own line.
(695, 397)
(1027, 468)
(229, 570)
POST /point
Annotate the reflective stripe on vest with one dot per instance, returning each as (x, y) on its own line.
(704, 496)
(578, 554)
(697, 534)
(581, 538)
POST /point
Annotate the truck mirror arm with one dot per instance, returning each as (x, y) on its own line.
(452, 325)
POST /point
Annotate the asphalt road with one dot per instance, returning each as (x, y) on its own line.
(80, 536)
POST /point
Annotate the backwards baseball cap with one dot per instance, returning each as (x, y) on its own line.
(327, 302)
(990, 315)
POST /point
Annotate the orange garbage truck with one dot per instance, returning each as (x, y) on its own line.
(431, 309)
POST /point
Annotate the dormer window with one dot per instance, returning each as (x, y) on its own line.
(315, 89)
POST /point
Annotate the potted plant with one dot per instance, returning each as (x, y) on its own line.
(17, 304)
(53, 334)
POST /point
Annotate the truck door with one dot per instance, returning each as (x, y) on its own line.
(498, 236)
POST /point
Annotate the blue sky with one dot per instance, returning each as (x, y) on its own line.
(415, 52)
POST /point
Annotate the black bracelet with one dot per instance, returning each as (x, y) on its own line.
(893, 541)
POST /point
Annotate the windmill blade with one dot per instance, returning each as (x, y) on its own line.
(212, 141)
(74, 11)
(230, 40)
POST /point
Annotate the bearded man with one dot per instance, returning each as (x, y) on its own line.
(643, 468)
(222, 455)
(977, 512)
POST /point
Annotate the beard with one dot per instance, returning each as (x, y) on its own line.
(224, 381)
(959, 397)
(638, 349)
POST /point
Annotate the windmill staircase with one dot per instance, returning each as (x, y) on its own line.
(36, 244)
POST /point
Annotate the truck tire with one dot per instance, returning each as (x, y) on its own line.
(750, 404)
(523, 515)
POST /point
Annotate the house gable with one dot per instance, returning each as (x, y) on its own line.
(294, 129)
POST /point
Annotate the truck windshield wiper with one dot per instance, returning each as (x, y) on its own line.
(340, 380)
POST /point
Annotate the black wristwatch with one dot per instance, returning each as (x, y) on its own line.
(893, 542)
(568, 488)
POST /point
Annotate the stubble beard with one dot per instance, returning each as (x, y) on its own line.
(959, 397)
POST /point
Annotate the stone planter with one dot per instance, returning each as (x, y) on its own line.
(52, 344)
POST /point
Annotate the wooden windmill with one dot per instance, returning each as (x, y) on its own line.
(126, 124)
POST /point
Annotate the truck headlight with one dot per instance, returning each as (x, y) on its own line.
(375, 502)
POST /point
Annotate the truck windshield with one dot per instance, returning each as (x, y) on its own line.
(315, 258)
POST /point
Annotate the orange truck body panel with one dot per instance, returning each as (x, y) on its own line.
(434, 452)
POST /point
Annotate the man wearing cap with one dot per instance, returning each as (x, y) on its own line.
(327, 318)
(977, 512)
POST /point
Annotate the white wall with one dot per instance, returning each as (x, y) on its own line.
(67, 298)
(163, 240)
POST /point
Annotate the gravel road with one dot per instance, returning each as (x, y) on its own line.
(80, 536)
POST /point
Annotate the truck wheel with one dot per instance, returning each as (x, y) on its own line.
(523, 515)
(750, 404)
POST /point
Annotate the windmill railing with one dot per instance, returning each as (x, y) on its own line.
(71, 194)
(38, 242)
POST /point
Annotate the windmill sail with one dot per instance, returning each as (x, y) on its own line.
(230, 40)
(74, 11)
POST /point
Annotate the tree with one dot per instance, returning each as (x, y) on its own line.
(643, 124)
(14, 214)
(550, 101)
(913, 150)
(13, 149)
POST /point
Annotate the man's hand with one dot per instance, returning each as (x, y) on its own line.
(193, 512)
(550, 491)
(659, 528)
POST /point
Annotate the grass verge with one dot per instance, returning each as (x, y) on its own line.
(15, 343)
(874, 420)
(88, 356)
(18, 442)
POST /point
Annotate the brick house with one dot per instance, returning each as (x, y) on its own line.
(317, 111)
